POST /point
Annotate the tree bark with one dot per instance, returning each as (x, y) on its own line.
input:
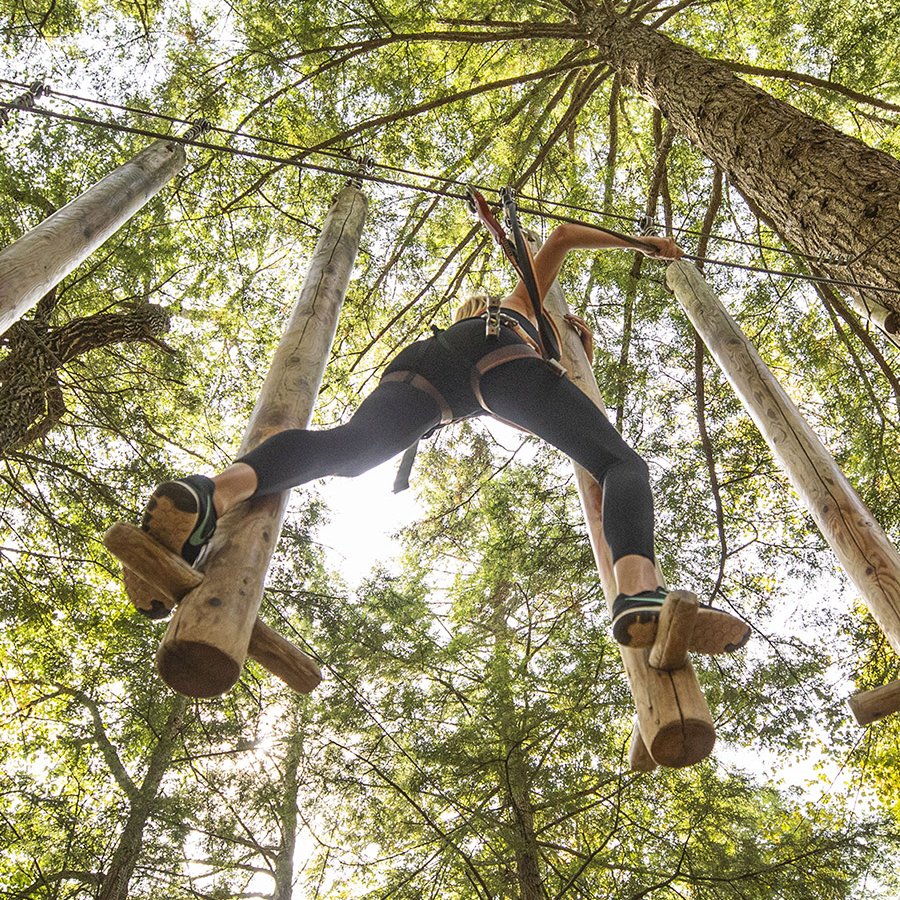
(287, 816)
(828, 194)
(31, 396)
(528, 870)
(514, 769)
(131, 840)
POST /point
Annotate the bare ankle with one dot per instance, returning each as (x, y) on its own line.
(232, 486)
(635, 574)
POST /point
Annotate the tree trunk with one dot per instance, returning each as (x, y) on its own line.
(128, 850)
(828, 194)
(31, 396)
(513, 772)
(528, 871)
(287, 816)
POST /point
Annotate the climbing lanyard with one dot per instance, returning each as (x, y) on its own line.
(518, 252)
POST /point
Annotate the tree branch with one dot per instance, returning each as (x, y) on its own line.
(812, 80)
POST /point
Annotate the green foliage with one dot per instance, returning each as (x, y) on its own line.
(474, 716)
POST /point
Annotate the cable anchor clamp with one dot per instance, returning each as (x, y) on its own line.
(24, 101)
(365, 166)
(200, 127)
(647, 225)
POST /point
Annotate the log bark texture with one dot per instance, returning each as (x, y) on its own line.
(674, 720)
(828, 194)
(42, 257)
(206, 643)
(870, 706)
(673, 636)
(175, 579)
(845, 521)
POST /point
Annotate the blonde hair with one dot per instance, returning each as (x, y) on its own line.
(471, 306)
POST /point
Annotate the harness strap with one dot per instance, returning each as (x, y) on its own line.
(401, 479)
(423, 384)
(490, 361)
(498, 357)
(495, 317)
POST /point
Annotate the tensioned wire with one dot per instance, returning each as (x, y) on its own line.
(368, 176)
(346, 156)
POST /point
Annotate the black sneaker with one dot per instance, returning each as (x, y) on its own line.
(635, 619)
(180, 515)
(639, 611)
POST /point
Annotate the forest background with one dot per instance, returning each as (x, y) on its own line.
(470, 737)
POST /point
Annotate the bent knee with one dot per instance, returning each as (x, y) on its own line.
(631, 465)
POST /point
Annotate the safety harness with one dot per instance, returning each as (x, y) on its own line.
(547, 346)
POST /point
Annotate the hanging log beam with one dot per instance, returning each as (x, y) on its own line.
(206, 642)
(870, 706)
(174, 579)
(675, 727)
(673, 633)
(857, 540)
(42, 257)
(639, 757)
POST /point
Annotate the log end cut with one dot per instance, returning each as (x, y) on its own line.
(870, 706)
(196, 669)
(683, 743)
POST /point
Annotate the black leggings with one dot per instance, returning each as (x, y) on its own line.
(526, 392)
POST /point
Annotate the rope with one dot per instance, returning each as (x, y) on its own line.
(360, 175)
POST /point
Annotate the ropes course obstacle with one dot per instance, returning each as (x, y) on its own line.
(215, 624)
(46, 254)
(861, 546)
(673, 726)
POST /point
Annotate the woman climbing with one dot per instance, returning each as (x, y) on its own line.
(460, 372)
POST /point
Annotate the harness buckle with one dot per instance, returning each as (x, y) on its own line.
(558, 368)
(492, 319)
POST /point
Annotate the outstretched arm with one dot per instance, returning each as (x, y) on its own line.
(568, 237)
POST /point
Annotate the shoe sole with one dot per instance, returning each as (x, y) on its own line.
(144, 597)
(171, 515)
(716, 631)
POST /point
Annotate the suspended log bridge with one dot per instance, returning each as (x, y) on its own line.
(861, 546)
(174, 579)
(42, 257)
(673, 726)
(215, 625)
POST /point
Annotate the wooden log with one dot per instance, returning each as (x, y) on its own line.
(870, 706)
(639, 757)
(847, 524)
(886, 319)
(168, 573)
(674, 720)
(279, 656)
(42, 257)
(175, 579)
(673, 633)
(206, 642)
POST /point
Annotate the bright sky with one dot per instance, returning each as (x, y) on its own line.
(364, 514)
